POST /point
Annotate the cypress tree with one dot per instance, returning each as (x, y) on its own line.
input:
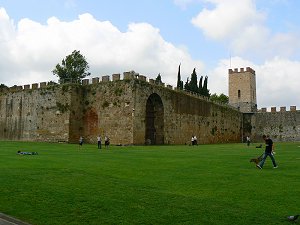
(205, 90)
(179, 79)
(200, 86)
(193, 83)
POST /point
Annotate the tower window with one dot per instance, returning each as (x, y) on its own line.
(239, 93)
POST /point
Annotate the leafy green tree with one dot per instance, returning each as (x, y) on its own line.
(72, 69)
(219, 98)
(224, 98)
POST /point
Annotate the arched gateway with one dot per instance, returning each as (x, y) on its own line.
(154, 120)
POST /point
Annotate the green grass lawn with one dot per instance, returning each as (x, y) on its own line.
(205, 184)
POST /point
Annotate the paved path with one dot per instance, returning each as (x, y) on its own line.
(7, 220)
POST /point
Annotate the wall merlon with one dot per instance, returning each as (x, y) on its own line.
(263, 109)
(293, 108)
(34, 86)
(283, 109)
(85, 82)
(26, 86)
(151, 81)
(116, 76)
(95, 80)
(273, 109)
(43, 84)
(143, 78)
(129, 75)
(105, 78)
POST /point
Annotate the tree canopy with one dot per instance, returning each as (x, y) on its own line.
(72, 69)
(219, 98)
(192, 85)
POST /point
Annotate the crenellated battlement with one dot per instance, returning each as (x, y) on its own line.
(241, 70)
(131, 75)
(281, 109)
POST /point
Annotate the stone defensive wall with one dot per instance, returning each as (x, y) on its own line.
(132, 110)
(281, 124)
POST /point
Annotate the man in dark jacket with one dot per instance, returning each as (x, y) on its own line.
(268, 152)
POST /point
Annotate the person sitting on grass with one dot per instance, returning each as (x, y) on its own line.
(27, 153)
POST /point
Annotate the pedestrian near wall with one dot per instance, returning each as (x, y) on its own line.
(80, 141)
(99, 141)
(248, 140)
(268, 152)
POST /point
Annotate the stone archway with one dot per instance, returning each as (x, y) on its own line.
(154, 120)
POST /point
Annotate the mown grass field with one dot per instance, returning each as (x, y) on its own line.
(205, 184)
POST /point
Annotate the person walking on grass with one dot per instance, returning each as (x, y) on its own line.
(106, 141)
(248, 140)
(99, 142)
(268, 152)
(80, 141)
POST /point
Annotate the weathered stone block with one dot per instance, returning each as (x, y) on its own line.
(85, 81)
(35, 86)
(105, 78)
(128, 76)
(283, 109)
(95, 80)
(116, 76)
(143, 78)
(43, 84)
(273, 109)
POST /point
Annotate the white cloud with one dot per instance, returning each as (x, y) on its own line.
(241, 27)
(30, 50)
(228, 18)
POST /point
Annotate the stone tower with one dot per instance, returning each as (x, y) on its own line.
(242, 89)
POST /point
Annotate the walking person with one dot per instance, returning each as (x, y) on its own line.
(99, 141)
(106, 141)
(80, 141)
(268, 152)
(248, 140)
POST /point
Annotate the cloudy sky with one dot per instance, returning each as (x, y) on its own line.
(154, 36)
